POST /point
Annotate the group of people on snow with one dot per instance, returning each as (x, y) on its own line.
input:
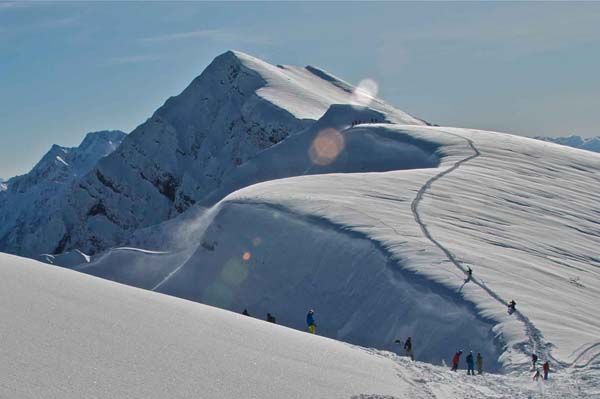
(310, 320)
(545, 368)
(471, 362)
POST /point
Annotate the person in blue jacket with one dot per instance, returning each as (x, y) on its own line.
(470, 364)
(310, 321)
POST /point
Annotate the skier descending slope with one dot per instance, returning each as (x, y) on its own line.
(310, 321)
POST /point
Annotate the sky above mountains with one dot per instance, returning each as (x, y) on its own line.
(70, 68)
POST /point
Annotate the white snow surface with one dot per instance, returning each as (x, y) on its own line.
(383, 255)
(74, 336)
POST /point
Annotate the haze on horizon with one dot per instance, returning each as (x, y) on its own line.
(70, 68)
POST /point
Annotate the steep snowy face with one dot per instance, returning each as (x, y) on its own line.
(236, 108)
(30, 204)
(590, 144)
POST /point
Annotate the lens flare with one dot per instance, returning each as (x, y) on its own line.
(326, 147)
(247, 255)
(365, 93)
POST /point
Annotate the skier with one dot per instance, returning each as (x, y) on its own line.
(469, 273)
(271, 318)
(479, 362)
(455, 360)
(511, 306)
(470, 365)
(310, 321)
(245, 312)
(546, 368)
(408, 348)
(537, 375)
(534, 360)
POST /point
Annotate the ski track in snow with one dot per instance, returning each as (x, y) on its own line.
(536, 339)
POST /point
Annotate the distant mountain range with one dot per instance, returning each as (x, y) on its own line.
(590, 144)
(29, 202)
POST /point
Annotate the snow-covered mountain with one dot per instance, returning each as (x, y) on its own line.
(236, 108)
(590, 143)
(69, 335)
(30, 203)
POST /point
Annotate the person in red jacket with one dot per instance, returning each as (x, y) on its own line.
(546, 367)
(455, 360)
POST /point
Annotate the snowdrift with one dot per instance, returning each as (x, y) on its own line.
(74, 336)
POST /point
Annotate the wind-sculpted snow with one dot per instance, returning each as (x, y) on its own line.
(238, 107)
(31, 204)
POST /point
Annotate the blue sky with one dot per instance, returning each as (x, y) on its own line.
(69, 68)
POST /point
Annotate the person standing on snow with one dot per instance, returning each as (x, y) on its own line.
(455, 360)
(271, 318)
(546, 368)
(470, 364)
(310, 321)
(245, 312)
(534, 360)
(479, 362)
(408, 348)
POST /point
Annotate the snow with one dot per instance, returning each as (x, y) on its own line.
(73, 336)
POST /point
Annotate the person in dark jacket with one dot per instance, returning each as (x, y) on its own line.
(470, 364)
(310, 321)
(546, 368)
(408, 348)
(455, 360)
(479, 363)
(245, 312)
(534, 360)
(512, 306)
(271, 318)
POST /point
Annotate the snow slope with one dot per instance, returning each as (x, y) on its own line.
(383, 255)
(74, 336)
(30, 204)
(590, 143)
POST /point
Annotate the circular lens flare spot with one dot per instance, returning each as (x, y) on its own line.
(247, 255)
(365, 92)
(326, 147)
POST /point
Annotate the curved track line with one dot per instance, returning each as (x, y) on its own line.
(536, 340)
